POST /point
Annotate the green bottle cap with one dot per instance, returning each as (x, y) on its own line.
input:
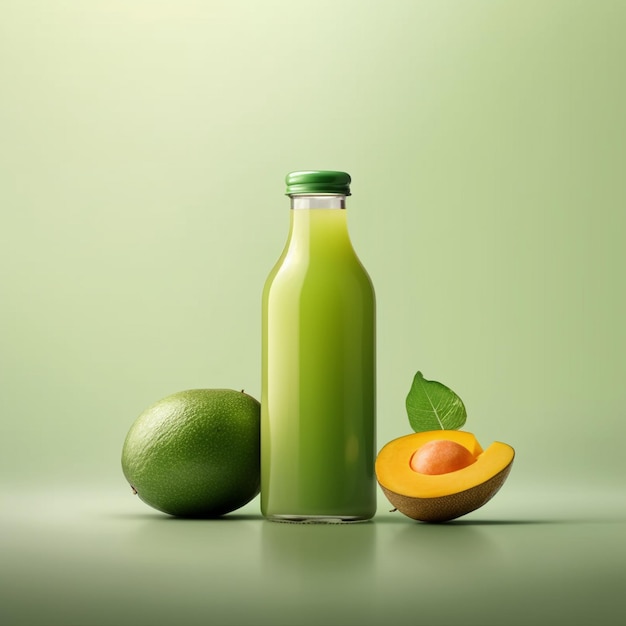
(318, 181)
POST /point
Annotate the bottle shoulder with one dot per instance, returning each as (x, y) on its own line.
(318, 275)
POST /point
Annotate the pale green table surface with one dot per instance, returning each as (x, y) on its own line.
(75, 557)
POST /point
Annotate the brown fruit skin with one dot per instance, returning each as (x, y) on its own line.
(446, 508)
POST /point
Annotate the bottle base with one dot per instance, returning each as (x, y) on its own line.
(318, 519)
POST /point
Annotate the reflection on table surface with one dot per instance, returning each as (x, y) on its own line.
(107, 559)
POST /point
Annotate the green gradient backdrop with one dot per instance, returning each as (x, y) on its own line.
(142, 154)
(143, 151)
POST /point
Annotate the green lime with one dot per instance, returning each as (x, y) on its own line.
(196, 453)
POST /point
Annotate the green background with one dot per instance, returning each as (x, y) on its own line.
(143, 147)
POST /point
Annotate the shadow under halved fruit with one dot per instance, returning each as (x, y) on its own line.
(441, 497)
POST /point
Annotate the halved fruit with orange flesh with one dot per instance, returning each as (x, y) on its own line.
(441, 497)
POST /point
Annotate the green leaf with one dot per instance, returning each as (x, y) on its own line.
(433, 406)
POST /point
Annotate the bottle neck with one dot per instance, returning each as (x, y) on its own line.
(319, 222)
(322, 201)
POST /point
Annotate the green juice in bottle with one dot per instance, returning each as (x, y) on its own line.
(318, 385)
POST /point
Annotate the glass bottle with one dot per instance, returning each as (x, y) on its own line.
(318, 383)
